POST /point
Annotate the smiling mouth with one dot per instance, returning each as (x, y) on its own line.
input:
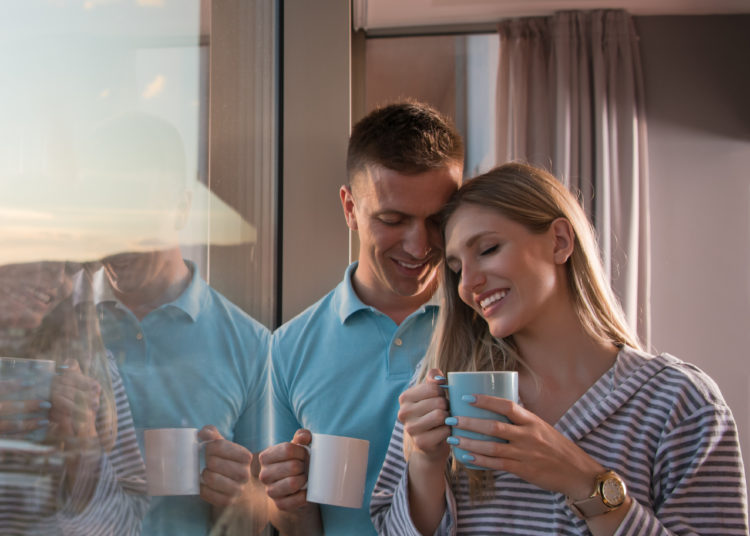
(411, 266)
(493, 298)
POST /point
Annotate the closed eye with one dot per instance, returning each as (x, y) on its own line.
(391, 218)
(490, 250)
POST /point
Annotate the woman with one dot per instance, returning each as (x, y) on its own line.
(86, 476)
(607, 439)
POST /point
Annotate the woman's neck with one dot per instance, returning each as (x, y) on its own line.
(562, 364)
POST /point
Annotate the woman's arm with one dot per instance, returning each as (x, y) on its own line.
(410, 498)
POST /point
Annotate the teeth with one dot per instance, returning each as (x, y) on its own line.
(410, 266)
(492, 299)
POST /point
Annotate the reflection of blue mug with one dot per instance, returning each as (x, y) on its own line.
(502, 384)
(26, 379)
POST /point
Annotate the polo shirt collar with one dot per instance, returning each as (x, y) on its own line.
(189, 301)
(348, 303)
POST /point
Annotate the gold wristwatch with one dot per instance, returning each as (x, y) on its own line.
(609, 494)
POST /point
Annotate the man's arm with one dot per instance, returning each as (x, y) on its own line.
(284, 474)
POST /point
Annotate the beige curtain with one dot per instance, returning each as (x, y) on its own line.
(570, 99)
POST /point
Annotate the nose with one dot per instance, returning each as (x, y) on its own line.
(472, 279)
(418, 240)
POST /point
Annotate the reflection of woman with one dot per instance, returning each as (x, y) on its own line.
(101, 489)
(608, 439)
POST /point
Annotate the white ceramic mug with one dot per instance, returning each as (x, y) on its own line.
(338, 470)
(172, 461)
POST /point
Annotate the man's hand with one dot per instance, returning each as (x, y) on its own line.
(227, 471)
(284, 472)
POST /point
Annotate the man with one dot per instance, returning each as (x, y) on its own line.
(339, 367)
(188, 357)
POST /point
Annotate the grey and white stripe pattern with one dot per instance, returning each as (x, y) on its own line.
(109, 498)
(659, 422)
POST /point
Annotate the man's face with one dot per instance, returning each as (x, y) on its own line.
(134, 273)
(400, 243)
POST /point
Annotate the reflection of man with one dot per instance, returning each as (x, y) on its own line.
(188, 357)
(339, 367)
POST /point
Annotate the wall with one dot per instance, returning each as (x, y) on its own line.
(697, 76)
(317, 111)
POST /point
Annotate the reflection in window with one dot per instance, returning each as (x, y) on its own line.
(137, 158)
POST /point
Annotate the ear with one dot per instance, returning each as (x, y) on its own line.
(347, 203)
(562, 232)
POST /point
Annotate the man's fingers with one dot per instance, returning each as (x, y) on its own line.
(281, 453)
(287, 488)
(290, 503)
(302, 437)
(216, 497)
(270, 474)
(237, 472)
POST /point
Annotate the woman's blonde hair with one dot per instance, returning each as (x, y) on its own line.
(71, 331)
(533, 198)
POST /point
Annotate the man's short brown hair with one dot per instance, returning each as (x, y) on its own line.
(408, 137)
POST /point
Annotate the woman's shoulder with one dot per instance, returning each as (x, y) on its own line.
(664, 376)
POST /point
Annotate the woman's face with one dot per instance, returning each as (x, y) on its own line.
(29, 291)
(509, 275)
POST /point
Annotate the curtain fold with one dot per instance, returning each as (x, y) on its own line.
(570, 99)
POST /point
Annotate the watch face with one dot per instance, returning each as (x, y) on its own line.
(613, 492)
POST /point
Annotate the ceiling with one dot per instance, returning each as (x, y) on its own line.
(383, 14)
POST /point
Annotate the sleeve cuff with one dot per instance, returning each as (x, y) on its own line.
(402, 510)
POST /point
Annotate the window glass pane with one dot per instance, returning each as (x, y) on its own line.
(454, 73)
(137, 255)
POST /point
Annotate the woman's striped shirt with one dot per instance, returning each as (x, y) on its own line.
(108, 496)
(660, 423)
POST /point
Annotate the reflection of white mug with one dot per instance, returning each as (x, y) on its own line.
(172, 461)
(338, 470)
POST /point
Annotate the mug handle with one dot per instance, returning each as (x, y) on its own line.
(309, 453)
(202, 444)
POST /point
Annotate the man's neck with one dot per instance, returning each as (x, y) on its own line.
(397, 308)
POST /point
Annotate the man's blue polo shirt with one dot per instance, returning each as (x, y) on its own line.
(195, 361)
(338, 368)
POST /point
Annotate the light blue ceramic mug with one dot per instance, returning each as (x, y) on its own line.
(502, 384)
(26, 379)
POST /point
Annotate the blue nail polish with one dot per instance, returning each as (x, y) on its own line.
(44, 405)
(469, 398)
(438, 378)
(452, 440)
(451, 421)
(467, 458)
(42, 422)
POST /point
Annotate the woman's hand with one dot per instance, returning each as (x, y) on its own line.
(75, 402)
(423, 412)
(20, 412)
(535, 451)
